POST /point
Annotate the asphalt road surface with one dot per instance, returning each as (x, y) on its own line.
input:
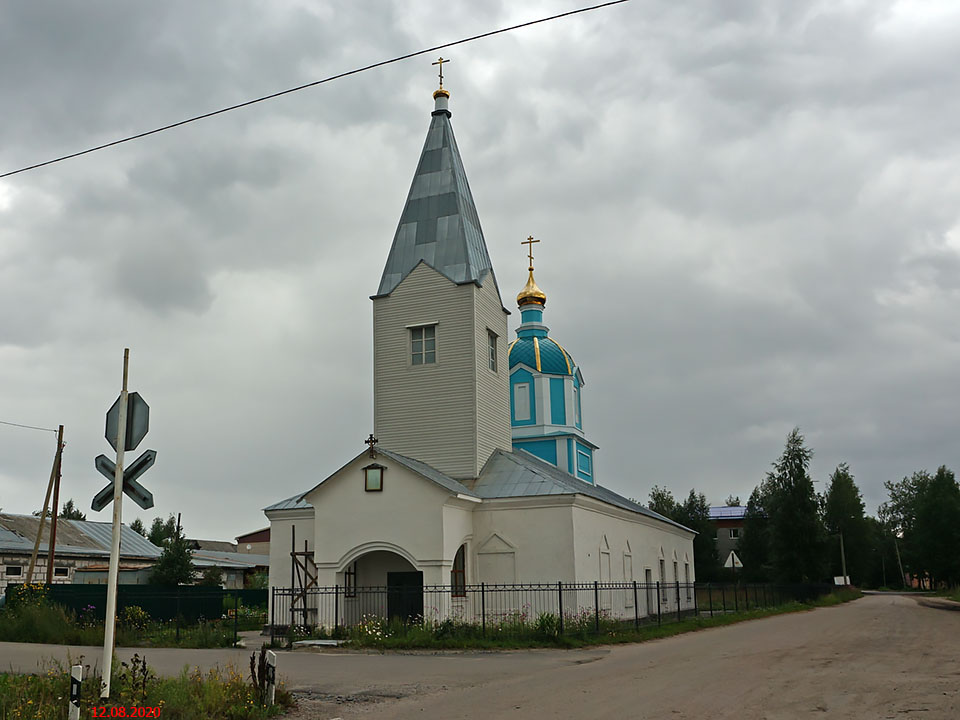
(878, 657)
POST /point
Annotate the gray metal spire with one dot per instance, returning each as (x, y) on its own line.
(439, 224)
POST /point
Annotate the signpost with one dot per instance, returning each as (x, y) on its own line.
(733, 561)
(128, 420)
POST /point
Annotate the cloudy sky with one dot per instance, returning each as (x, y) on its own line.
(749, 214)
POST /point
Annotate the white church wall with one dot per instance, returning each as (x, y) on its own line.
(419, 409)
(611, 542)
(524, 540)
(282, 522)
(405, 517)
(457, 530)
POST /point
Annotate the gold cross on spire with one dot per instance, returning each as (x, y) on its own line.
(440, 62)
(529, 243)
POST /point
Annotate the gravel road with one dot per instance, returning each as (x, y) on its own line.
(884, 656)
(878, 657)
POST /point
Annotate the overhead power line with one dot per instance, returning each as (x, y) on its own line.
(28, 427)
(312, 84)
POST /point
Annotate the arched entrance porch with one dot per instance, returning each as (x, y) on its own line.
(381, 583)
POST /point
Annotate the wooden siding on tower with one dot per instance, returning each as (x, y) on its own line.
(425, 411)
(493, 388)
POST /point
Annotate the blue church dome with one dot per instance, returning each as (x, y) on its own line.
(553, 359)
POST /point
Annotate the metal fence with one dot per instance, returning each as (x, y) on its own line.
(576, 606)
(592, 607)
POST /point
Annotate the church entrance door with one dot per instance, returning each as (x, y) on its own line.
(404, 595)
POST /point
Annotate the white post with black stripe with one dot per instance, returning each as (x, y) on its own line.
(271, 677)
(76, 676)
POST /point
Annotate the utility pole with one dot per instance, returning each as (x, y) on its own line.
(57, 464)
(843, 560)
(43, 518)
(903, 577)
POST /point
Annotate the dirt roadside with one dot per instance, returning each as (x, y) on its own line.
(878, 657)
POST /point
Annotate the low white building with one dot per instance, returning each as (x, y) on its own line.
(480, 471)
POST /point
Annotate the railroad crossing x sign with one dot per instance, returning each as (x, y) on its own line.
(137, 492)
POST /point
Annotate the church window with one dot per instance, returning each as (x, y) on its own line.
(576, 404)
(676, 573)
(628, 578)
(458, 575)
(686, 580)
(423, 345)
(492, 349)
(521, 401)
(350, 580)
(663, 573)
(373, 478)
(583, 463)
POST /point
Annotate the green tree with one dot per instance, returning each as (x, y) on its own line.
(936, 535)
(137, 527)
(796, 531)
(212, 577)
(71, 511)
(694, 513)
(882, 567)
(732, 501)
(162, 530)
(843, 515)
(175, 564)
(899, 513)
(661, 501)
(753, 547)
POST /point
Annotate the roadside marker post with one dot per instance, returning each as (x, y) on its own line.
(271, 677)
(76, 676)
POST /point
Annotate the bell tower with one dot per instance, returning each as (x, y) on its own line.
(440, 374)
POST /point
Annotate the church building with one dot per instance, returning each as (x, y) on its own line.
(479, 468)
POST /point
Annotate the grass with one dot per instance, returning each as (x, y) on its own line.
(55, 625)
(544, 631)
(215, 695)
(951, 594)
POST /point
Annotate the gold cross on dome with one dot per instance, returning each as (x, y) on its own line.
(529, 243)
(440, 62)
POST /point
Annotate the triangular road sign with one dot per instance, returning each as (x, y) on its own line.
(733, 561)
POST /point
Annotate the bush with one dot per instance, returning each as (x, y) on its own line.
(28, 594)
(134, 617)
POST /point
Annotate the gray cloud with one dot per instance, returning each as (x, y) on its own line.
(748, 214)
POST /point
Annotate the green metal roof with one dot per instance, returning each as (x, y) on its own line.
(439, 224)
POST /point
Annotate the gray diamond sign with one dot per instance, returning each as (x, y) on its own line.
(138, 421)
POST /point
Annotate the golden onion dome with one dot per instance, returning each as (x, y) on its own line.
(441, 93)
(531, 293)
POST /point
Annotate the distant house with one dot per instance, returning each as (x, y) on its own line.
(81, 544)
(256, 542)
(729, 520)
(237, 567)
